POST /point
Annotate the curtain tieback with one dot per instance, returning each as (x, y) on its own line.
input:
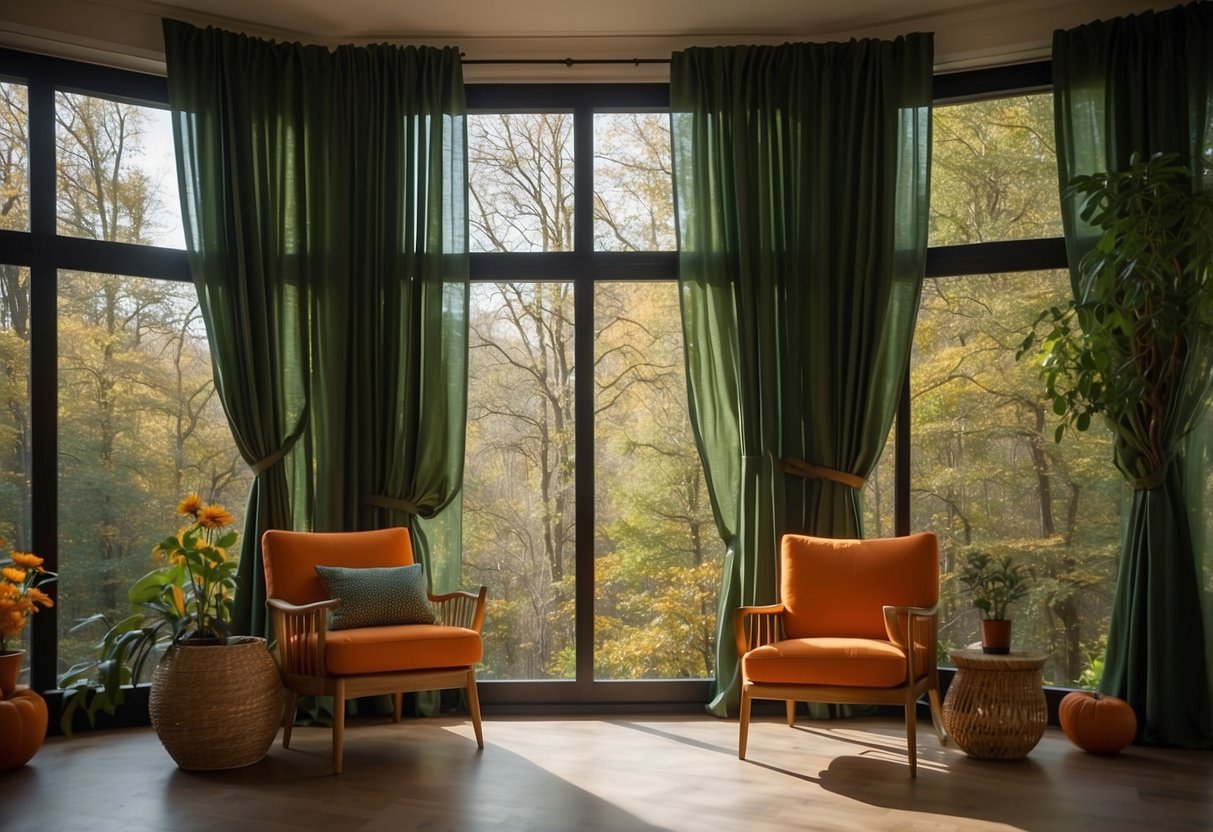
(1151, 480)
(800, 468)
(266, 463)
(397, 503)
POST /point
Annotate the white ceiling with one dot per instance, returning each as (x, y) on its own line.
(393, 19)
(967, 32)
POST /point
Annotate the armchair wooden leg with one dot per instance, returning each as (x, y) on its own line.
(744, 731)
(912, 736)
(288, 717)
(397, 705)
(338, 724)
(790, 705)
(474, 707)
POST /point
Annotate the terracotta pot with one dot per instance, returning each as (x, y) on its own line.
(216, 706)
(23, 716)
(10, 669)
(996, 636)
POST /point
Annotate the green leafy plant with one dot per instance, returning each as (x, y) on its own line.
(993, 583)
(186, 599)
(1140, 332)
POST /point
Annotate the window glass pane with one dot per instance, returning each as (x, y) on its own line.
(987, 475)
(139, 427)
(519, 494)
(633, 185)
(14, 418)
(879, 504)
(14, 157)
(994, 171)
(520, 181)
(117, 175)
(657, 555)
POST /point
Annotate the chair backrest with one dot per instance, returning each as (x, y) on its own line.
(839, 587)
(290, 558)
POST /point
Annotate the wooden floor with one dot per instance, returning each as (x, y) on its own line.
(608, 773)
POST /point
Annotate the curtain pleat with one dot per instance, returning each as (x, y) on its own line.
(801, 182)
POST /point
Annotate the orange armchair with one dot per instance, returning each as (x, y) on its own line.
(364, 661)
(856, 624)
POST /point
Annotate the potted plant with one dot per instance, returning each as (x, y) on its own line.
(23, 712)
(993, 585)
(216, 699)
(1135, 347)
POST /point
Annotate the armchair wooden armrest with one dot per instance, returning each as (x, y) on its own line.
(756, 626)
(916, 637)
(301, 632)
(460, 609)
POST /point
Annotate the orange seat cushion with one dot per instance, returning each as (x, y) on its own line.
(847, 662)
(400, 647)
(840, 587)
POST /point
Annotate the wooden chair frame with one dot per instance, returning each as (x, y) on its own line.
(301, 634)
(756, 626)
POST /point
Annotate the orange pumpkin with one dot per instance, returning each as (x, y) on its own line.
(23, 726)
(1097, 723)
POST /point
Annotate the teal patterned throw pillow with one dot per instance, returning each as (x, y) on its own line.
(376, 596)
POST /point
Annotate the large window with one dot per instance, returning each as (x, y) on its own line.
(584, 509)
(108, 412)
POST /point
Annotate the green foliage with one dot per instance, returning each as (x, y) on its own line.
(1142, 326)
(993, 583)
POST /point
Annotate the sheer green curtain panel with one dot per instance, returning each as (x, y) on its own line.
(1144, 84)
(801, 182)
(324, 203)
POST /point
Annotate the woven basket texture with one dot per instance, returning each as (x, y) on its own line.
(216, 706)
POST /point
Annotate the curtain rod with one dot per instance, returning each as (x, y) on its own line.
(569, 62)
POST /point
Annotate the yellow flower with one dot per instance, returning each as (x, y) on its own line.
(215, 517)
(192, 504)
(178, 599)
(13, 574)
(27, 560)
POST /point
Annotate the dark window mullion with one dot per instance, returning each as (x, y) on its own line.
(583, 353)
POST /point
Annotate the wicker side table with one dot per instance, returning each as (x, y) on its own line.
(995, 707)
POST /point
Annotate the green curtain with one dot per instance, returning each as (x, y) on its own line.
(324, 202)
(801, 183)
(1144, 84)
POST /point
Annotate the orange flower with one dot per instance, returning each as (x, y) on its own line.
(29, 561)
(215, 517)
(192, 504)
(13, 574)
(39, 597)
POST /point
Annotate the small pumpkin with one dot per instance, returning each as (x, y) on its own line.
(23, 725)
(1097, 723)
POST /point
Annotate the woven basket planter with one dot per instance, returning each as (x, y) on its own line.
(216, 706)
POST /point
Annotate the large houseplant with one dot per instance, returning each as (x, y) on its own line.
(1135, 347)
(215, 699)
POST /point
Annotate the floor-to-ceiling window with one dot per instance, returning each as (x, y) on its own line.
(584, 507)
(107, 407)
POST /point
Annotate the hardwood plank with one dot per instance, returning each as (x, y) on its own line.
(672, 772)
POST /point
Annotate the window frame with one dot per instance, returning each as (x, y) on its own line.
(45, 253)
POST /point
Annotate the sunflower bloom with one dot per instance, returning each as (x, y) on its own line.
(192, 504)
(215, 517)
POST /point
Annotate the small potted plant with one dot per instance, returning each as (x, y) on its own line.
(994, 584)
(23, 713)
